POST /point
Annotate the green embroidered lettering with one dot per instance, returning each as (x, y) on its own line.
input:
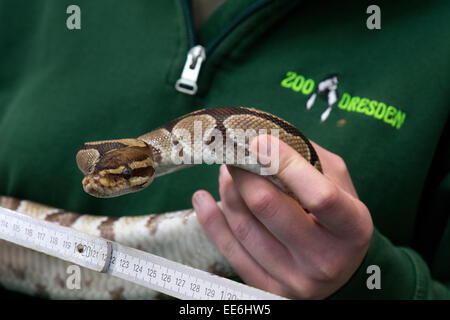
(362, 103)
(298, 83)
(381, 109)
(353, 104)
(388, 115)
(287, 82)
(345, 100)
(308, 87)
(371, 109)
(399, 119)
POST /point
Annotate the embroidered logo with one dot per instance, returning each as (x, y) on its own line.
(327, 90)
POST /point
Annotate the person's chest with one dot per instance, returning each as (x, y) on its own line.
(367, 97)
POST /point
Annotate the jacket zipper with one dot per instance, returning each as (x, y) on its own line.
(197, 54)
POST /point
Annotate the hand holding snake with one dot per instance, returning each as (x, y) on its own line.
(272, 242)
(268, 237)
(296, 232)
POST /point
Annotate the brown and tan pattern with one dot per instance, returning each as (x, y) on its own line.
(9, 203)
(107, 228)
(63, 218)
(176, 236)
(117, 167)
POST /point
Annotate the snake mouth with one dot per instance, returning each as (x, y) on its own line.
(100, 187)
(92, 186)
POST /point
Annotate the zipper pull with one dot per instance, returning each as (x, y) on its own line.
(188, 80)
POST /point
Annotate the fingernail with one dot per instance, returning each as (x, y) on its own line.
(199, 197)
(261, 149)
(254, 147)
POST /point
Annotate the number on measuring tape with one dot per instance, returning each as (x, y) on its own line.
(127, 263)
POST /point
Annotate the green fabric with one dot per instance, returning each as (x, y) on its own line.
(115, 78)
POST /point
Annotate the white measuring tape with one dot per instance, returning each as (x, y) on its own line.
(121, 261)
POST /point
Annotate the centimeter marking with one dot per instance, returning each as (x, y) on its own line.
(134, 265)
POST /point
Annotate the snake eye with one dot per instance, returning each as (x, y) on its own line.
(126, 173)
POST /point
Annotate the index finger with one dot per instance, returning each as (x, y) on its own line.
(333, 207)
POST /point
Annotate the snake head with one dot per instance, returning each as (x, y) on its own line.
(115, 167)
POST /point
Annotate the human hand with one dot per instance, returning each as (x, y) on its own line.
(272, 242)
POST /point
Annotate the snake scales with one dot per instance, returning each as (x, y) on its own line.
(117, 167)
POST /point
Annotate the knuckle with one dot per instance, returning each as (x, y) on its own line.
(340, 164)
(263, 203)
(291, 164)
(241, 229)
(306, 289)
(325, 200)
(323, 271)
(327, 272)
(306, 286)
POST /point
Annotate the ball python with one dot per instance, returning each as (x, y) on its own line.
(117, 167)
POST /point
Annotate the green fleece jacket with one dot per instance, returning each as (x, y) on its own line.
(378, 98)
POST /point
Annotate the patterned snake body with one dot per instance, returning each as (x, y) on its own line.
(117, 167)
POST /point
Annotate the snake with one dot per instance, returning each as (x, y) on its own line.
(117, 167)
